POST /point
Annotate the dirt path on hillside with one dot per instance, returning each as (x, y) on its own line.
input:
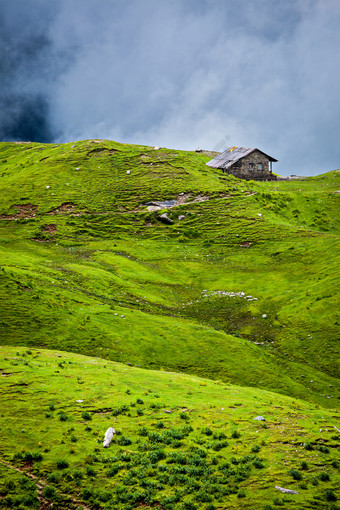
(41, 484)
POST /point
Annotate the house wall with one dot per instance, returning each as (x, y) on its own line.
(241, 168)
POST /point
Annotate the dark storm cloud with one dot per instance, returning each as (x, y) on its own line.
(180, 73)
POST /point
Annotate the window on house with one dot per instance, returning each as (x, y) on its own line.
(259, 166)
(250, 166)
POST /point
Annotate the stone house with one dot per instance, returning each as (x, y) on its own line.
(245, 163)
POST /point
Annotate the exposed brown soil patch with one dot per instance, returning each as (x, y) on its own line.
(65, 208)
(23, 286)
(246, 244)
(50, 229)
(23, 211)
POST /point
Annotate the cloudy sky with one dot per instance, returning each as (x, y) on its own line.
(176, 73)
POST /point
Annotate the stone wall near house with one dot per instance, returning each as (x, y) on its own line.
(241, 168)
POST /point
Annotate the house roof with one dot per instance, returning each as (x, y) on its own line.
(227, 158)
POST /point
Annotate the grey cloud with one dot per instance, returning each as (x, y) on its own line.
(180, 74)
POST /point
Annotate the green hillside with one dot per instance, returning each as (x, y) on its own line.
(241, 289)
(181, 442)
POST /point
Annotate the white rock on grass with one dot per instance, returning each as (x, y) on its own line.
(108, 437)
(285, 491)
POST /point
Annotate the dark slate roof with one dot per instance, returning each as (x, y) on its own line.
(227, 158)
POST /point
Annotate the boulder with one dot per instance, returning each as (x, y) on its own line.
(260, 418)
(286, 491)
(164, 218)
(108, 437)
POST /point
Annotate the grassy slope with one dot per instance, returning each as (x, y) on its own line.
(70, 272)
(207, 451)
(86, 268)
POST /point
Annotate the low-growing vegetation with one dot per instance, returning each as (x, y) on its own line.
(231, 306)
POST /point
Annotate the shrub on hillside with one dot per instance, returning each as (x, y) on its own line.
(86, 415)
(62, 464)
(295, 474)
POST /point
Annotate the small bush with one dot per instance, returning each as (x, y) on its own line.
(87, 494)
(90, 471)
(203, 497)
(104, 496)
(308, 446)
(207, 431)
(49, 492)
(62, 464)
(323, 449)
(112, 471)
(295, 474)
(29, 500)
(32, 456)
(256, 448)
(241, 494)
(143, 431)
(86, 415)
(188, 505)
(139, 401)
(330, 495)
(73, 439)
(304, 465)
(124, 441)
(324, 477)
(156, 456)
(184, 416)
(10, 485)
(235, 434)
(159, 425)
(218, 445)
(53, 478)
(258, 464)
(63, 416)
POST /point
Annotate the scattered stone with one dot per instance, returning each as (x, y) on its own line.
(260, 418)
(198, 150)
(259, 214)
(154, 208)
(128, 172)
(79, 401)
(264, 315)
(108, 437)
(164, 218)
(156, 148)
(78, 168)
(181, 217)
(286, 491)
(47, 187)
(167, 411)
